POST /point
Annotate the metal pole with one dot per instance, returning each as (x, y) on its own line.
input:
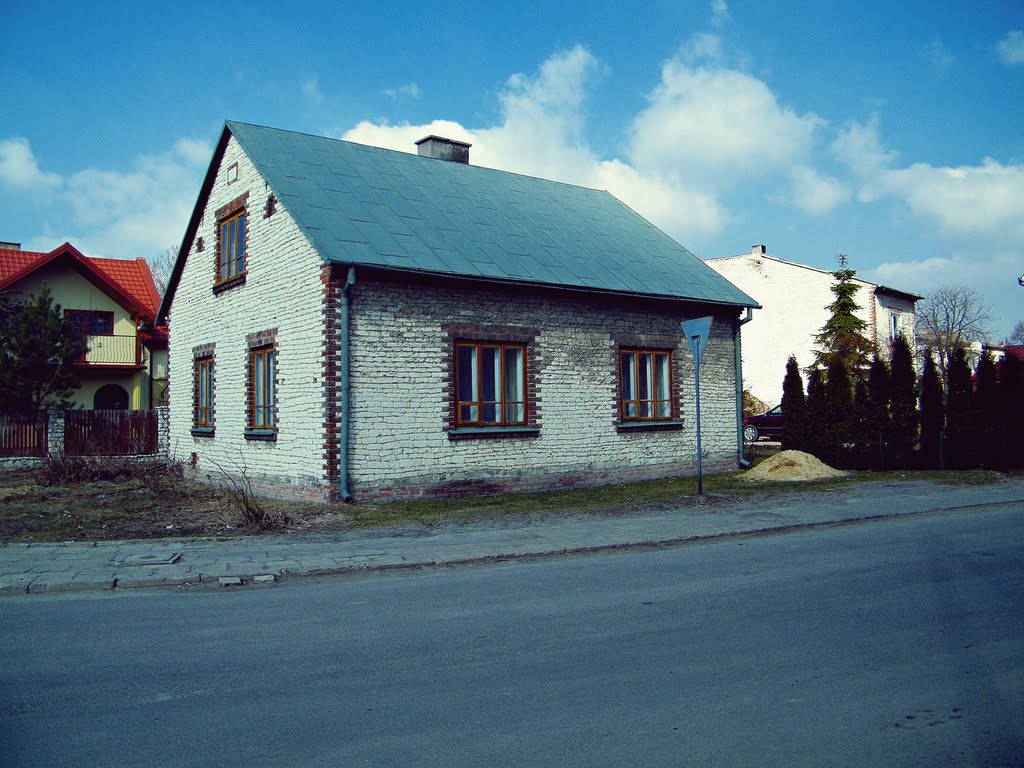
(700, 462)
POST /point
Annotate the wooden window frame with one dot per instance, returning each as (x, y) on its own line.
(204, 414)
(232, 273)
(656, 398)
(88, 315)
(258, 421)
(500, 402)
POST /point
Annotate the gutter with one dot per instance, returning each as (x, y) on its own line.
(346, 387)
(744, 464)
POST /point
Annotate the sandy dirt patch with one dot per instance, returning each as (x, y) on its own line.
(791, 466)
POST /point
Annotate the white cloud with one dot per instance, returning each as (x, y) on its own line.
(311, 91)
(719, 13)
(1011, 48)
(966, 201)
(935, 53)
(814, 193)
(540, 133)
(717, 126)
(119, 213)
(19, 168)
(411, 90)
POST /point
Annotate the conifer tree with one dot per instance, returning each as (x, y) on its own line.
(988, 412)
(838, 409)
(38, 349)
(902, 402)
(815, 440)
(879, 420)
(863, 437)
(933, 417)
(1011, 385)
(794, 408)
(842, 337)
(959, 422)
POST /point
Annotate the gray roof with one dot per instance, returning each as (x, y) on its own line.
(375, 207)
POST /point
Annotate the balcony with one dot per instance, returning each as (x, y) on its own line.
(113, 351)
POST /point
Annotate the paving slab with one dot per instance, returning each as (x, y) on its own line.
(29, 568)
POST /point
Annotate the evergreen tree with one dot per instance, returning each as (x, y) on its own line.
(878, 420)
(902, 403)
(838, 409)
(862, 435)
(1011, 385)
(988, 412)
(38, 350)
(794, 408)
(842, 337)
(933, 417)
(814, 438)
(959, 422)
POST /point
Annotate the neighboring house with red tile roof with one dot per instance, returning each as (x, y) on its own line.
(114, 302)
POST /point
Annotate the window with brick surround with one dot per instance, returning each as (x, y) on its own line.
(490, 384)
(204, 393)
(645, 385)
(232, 236)
(263, 388)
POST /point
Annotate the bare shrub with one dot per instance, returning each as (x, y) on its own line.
(237, 487)
(63, 469)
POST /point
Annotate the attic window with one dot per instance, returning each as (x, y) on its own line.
(232, 234)
(232, 173)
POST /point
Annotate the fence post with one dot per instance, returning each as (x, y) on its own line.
(54, 432)
(163, 431)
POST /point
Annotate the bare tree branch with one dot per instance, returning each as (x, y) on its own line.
(951, 318)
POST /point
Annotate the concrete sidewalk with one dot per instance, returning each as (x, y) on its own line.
(106, 565)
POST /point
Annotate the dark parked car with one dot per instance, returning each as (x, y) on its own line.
(767, 425)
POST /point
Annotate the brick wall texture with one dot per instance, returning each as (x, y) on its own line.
(402, 333)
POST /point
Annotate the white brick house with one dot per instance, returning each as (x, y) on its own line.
(352, 322)
(794, 298)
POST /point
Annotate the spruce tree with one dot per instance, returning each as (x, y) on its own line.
(38, 349)
(902, 403)
(815, 440)
(794, 408)
(988, 433)
(838, 409)
(842, 337)
(959, 417)
(933, 417)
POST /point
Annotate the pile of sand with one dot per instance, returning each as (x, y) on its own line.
(791, 466)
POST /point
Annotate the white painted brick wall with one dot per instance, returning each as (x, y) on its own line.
(794, 300)
(283, 291)
(398, 419)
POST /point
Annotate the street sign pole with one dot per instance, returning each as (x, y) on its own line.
(697, 332)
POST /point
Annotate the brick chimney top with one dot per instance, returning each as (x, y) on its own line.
(441, 148)
(759, 250)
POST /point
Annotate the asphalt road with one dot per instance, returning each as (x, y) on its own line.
(896, 643)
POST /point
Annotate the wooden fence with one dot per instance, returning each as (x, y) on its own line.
(23, 435)
(110, 433)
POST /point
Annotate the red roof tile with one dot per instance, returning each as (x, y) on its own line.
(131, 278)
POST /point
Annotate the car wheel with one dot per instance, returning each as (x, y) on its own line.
(750, 433)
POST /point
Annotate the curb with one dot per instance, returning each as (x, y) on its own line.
(33, 587)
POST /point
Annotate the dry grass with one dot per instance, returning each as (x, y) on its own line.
(154, 500)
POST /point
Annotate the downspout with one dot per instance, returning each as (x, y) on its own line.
(346, 394)
(744, 464)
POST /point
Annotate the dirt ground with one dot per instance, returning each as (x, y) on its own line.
(150, 504)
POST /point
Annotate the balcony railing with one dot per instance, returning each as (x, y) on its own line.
(112, 350)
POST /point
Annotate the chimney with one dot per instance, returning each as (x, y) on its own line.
(10, 246)
(441, 148)
(759, 250)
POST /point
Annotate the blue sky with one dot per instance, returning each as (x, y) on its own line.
(892, 132)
